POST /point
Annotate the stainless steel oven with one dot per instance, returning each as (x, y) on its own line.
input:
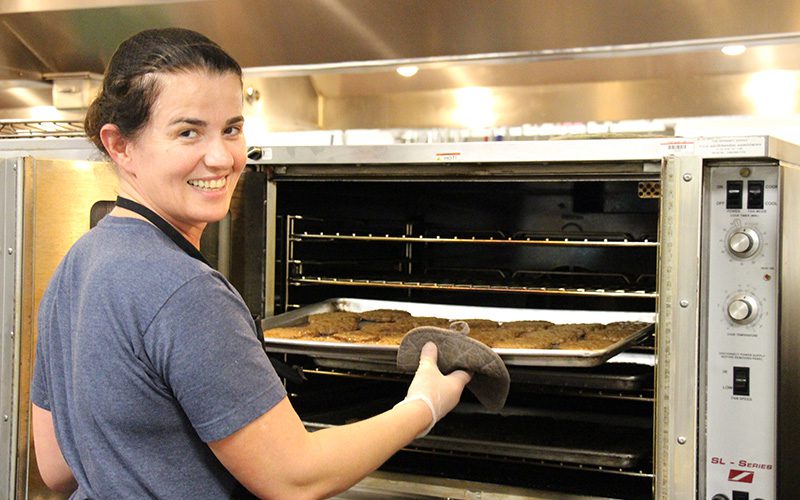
(697, 233)
(696, 236)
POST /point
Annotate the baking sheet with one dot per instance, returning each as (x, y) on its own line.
(607, 377)
(379, 357)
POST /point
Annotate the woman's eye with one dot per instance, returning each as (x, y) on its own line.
(234, 130)
(188, 134)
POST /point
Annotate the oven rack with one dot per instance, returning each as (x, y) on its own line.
(643, 395)
(577, 241)
(453, 447)
(636, 472)
(409, 232)
(431, 285)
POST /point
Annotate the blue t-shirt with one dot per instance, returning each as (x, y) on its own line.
(144, 355)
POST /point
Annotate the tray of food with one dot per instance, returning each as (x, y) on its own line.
(368, 332)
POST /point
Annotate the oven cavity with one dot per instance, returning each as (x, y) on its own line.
(587, 243)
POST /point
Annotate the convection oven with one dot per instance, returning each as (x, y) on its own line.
(696, 236)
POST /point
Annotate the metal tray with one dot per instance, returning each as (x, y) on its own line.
(380, 357)
(588, 439)
(608, 377)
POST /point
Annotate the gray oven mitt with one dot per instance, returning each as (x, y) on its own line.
(490, 380)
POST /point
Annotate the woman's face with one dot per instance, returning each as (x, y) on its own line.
(186, 160)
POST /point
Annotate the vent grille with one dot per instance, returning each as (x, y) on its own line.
(649, 190)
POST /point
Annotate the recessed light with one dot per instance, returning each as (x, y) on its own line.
(734, 50)
(407, 71)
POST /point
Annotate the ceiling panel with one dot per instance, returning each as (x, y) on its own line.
(278, 32)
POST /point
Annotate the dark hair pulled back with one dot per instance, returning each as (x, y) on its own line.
(130, 86)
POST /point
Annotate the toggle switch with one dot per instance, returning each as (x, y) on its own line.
(734, 194)
(755, 194)
(741, 380)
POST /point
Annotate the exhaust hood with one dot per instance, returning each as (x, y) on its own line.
(331, 64)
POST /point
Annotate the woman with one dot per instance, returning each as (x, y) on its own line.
(149, 381)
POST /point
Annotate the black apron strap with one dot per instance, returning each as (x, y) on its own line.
(164, 226)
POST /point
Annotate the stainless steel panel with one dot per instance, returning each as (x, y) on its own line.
(52, 223)
(611, 157)
(746, 349)
(628, 64)
(788, 457)
(9, 323)
(386, 355)
(317, 31)
(677, 329)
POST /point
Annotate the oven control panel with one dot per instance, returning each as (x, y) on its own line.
(740, 356)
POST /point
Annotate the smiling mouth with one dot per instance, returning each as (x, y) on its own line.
(209, 185)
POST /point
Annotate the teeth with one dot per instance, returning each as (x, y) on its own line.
(208, 185)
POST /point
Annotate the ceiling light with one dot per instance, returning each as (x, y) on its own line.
(474, 107)
(773, 92)
(734, 50)
(251, 95)
(407, 71)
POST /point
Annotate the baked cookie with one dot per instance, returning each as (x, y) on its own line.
(527, 324)
(490, 336)
(384, 315)
(430, 321)
(388, 328)
(617, 330)
(480, 323)
(289, 332)
(389, 339)
(531, 341)
(333, 322)
(356, 337)
(569, 331)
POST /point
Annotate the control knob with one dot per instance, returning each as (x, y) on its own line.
(744, 242)
(742, 309)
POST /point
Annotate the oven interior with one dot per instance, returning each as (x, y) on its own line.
(579, 242)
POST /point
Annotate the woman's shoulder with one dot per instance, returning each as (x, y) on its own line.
(136, 252)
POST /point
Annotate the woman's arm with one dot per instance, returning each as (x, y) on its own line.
(276, 457)
(54, 470)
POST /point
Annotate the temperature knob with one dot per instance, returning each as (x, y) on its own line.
(742, 309)
(744, 242)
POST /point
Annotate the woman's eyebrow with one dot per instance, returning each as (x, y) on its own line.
(202, 123)
(189, 121)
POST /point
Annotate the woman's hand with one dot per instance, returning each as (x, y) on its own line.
(440, 393)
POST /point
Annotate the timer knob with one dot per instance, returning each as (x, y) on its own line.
(742, 309)
(744, 242)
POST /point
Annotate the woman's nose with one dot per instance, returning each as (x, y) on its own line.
(219, 154)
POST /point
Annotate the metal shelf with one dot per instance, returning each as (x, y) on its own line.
(584, 292)
(15, 129)
(566, 241)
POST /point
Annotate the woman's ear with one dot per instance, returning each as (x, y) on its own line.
(116, 146)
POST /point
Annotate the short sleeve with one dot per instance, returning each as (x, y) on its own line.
(40, 396)
(203, 344)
